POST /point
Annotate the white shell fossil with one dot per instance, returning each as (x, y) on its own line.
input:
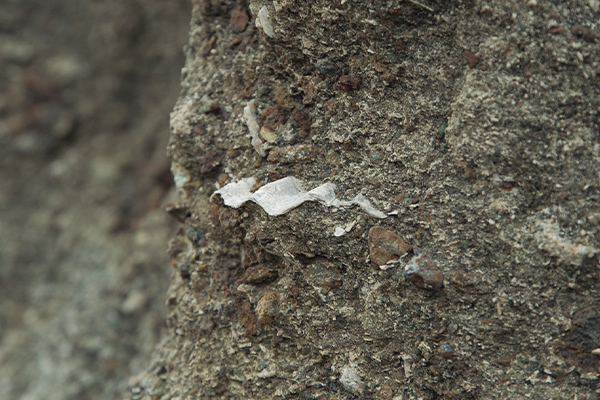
(279, 197)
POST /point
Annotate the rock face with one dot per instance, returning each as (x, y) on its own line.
(472, 124)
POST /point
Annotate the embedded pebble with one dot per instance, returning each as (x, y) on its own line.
(385, 246)
(239, 19)
(260, 273)
(326, 66)
(267, 309)
(446, 350)
(423, 272)
(471, 58)
(585, 33)
(349, 82)
(323, 274)
(584, 333)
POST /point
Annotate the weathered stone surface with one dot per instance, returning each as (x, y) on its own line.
(490, 164)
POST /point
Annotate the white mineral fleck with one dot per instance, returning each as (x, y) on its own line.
(351, 381)
(180, 175)
(251, 122)
(342, 230)
(262, 21)
(279, 197)
(568, 253)
(339, 231)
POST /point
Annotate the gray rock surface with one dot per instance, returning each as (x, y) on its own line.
(474, 123)
(477, 122)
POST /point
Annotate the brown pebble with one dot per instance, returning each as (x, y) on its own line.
(239, 19)
(222, 179)
(556, 30)
(267, 308)
(349, 82)
(208, 45)
(273, 117)
(471, 58)
(385, 245)
(400, 45)
(310, 90)
(446, 350)
(235, 41)
(257, 185)
(301, 118)
(505, 361)
(273, 175)
(424, 273)
(585, 33)
(176, 247)
(260, 273)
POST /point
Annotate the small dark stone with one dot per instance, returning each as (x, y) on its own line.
(264, 238)
(184, 269)
(585, 33)
(446, 350)
(424, 273)
(193, 231)
(258, 274)
(211, 107)
(176, 247)
(584, 334)
(323, 274)
(239, 19)
(471, 58)
(326, 66)
(349, 82)
(302, 119)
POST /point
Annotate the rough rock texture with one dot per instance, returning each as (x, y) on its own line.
(85, 91)
(478, 122)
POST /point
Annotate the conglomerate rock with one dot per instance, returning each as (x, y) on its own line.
(474, 125)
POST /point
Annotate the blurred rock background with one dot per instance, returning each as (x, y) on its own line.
(86, 88)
